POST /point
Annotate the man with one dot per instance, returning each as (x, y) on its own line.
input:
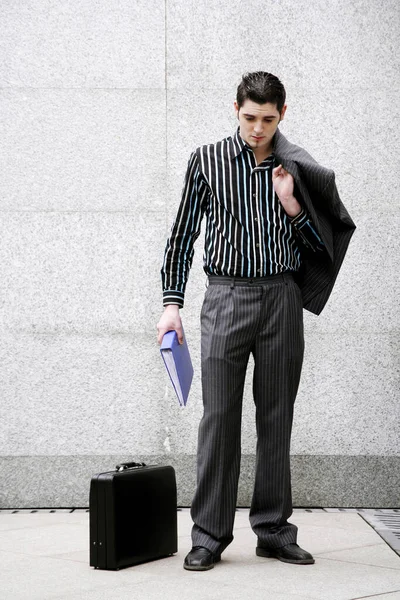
(276, 236)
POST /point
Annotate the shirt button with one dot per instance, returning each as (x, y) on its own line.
(256, 219)
(258, 270)
(254, 195)
(257, 245)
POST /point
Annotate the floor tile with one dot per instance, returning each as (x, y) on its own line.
(379, 555)
(24, 577)
(346, 521)
(189, 587)
(32, 520)
(46, 540)
(325, 580)
(52, 553)
(390, 596)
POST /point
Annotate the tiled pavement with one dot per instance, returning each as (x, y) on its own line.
(45, 556)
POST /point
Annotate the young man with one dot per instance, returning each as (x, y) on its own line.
(276, 236)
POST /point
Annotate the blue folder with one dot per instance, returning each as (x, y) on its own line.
(178, 364)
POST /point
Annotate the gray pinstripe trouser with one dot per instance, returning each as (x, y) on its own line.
(263, 317)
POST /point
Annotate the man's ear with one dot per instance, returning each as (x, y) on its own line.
(236, 106)
(282, 115)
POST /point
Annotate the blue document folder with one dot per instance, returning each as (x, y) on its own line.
(178, 364)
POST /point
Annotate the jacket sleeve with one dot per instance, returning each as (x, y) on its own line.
(336, 228)
(179, 251)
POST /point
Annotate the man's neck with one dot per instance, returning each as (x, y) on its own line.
(260, 156)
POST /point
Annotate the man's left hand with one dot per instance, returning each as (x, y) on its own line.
(284, 186)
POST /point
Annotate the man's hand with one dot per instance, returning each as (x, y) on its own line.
(170, 321)
(284, 185)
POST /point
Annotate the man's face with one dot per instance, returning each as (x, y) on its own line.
(258, 123)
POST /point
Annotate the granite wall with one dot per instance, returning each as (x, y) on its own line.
(100, 106)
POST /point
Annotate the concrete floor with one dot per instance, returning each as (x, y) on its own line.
(44, 556)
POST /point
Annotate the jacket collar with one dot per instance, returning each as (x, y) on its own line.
(293, 158)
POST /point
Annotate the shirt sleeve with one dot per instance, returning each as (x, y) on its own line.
(179, 251)
(306, 232)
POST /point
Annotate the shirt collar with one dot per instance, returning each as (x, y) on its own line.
(238, 145)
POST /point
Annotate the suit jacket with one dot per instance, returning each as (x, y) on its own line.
(315, 188)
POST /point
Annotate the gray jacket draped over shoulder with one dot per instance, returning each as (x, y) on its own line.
(315, 189)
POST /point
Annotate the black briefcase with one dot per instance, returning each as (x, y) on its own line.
(132, 515)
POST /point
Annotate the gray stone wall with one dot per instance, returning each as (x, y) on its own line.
(100, 106)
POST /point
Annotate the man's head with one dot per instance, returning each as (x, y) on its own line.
(261, 87)
(260, 106)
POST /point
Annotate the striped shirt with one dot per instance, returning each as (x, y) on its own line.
(248, 233)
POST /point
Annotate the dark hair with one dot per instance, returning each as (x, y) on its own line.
(261, 87)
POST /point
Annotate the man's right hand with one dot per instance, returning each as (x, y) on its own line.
(170, 321)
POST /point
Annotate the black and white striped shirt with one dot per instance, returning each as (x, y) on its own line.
(248, 233)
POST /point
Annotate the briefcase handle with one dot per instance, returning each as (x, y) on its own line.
(129, 465)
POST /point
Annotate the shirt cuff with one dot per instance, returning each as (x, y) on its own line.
(173, 297)
(299, 220)
(305, 231)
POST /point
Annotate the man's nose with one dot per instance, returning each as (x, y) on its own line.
(258, 128)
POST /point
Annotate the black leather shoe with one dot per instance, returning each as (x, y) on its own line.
(292, 553)
(200, 559)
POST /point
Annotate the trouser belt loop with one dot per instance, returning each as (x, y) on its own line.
(232, 283)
